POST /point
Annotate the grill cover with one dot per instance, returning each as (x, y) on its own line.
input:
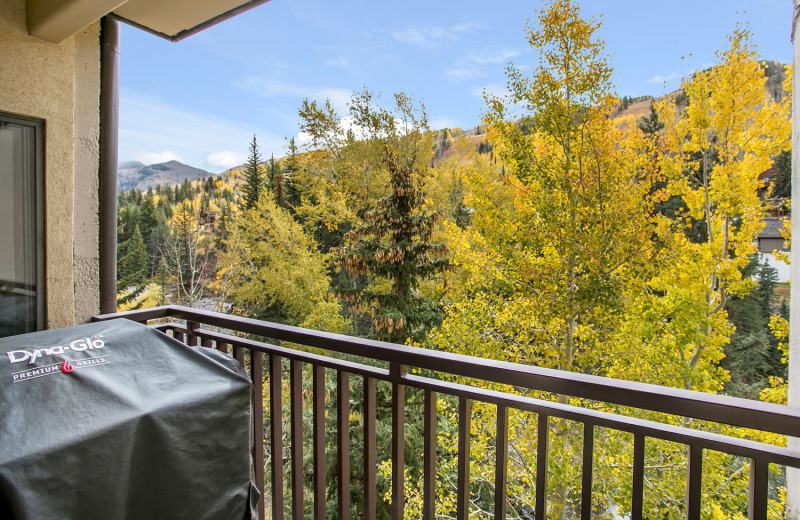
(115, 420)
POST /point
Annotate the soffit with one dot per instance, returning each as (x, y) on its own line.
(177, 19)
(56, 20)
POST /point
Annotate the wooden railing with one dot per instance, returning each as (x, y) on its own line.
(394, 361)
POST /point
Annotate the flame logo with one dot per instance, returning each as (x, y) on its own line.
(66, 367)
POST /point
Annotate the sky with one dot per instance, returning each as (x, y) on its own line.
(201, 100)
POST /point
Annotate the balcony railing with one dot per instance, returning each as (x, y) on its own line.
(403, 367)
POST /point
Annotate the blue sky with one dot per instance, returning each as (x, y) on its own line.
(201, 100)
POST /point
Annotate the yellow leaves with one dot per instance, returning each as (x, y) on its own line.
(780, 329)
(715, 152)
(269, 260)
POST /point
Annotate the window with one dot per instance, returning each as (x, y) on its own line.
(768, 245)
(22, 302)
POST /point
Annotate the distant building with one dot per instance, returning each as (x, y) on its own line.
(770, 240)
(778, 206)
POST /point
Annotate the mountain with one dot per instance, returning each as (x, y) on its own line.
(133, 174)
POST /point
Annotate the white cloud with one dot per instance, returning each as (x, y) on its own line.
(465, 71)
(341, 62)
(473, 65)
(152, 130)
(493, 55)
(466, 27)
(302, 139)
(664, 79)
(225, 159)
(157, 157)
(440, 122)
(430, 34)
(493, 89)
(268, 87)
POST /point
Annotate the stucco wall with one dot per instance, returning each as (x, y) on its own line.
(59, 83)
(87, 155)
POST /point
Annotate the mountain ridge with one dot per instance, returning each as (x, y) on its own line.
(135, 174)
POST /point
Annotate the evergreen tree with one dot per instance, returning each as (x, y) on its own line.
(782, 182)
(292, 193)
(162, 273)
(278, 184)
(132, 269)
(395, 245)
(128, 220)
(159, 237)
(752, 354)
(147, 215)
(224, 223)
(253, 177)
(650, 124)
(186, 189)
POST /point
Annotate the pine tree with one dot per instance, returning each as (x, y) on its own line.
(162, 273)
(292, 193)
(395, 245)
(132, 268)
(128, 219)
(650, 124)
(782, 182)
(253, 177)
(148, 219)
(278, 184)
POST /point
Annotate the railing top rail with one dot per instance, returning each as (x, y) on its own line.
(709, 440)
(747, 413)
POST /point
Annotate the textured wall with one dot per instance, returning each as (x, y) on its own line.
(38, 79)
(87, 155)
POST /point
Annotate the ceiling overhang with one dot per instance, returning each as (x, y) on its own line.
(174, 20)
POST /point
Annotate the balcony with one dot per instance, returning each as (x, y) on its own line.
(465, 382)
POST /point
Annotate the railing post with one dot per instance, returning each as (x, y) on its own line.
(318, 420)
(238, 355)
(501, 461)
(396, 373)
(758, 502)
(694, 483)
(343, 442)
(192, 339)
(464, 427)
(543, 431)
(637, 485)
(296, 398)
(369, 449)
(429, 460)
(276, 435)
(586, 471)
(257, 375)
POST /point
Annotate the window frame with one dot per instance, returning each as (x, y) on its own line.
(39, 213)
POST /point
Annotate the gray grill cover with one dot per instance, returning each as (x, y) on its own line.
(135, 425)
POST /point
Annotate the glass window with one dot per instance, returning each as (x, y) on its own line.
(22, 301)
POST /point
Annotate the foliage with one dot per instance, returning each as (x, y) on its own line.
(546, 248)
(132, 269)
(254, 173)
(342, 173)
(185, 261)
(395, 248)
(271, 270)
(735, 128)
(613, 247)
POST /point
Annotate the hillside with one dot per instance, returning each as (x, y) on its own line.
(133, 174)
